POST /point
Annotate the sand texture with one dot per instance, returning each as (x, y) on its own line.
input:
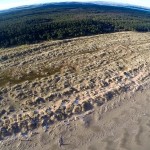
(122, 124)
(93, 91)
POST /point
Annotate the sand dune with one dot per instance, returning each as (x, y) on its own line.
(125, 126)
(93, 91)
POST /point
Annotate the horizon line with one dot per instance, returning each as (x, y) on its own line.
(90, 2)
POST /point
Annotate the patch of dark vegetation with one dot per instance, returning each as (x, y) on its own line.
(7, 78)
(68, 20)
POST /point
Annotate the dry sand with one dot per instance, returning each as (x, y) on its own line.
(121, 124)
(93, 91)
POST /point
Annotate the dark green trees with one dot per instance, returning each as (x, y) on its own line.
(67, 21)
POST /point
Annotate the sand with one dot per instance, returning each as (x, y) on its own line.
(93, 91)
(121, 124)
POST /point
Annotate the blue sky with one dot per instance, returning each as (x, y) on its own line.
(5, 4)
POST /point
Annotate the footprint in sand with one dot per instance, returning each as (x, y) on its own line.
(134, 108)
(148, 124)
(44, 139)
(110, 145)
(71, 146)
(116, 120)
(138, 136)
(54, 147)
(92, 147)
(95, 129)
(140, 104)
(148, 99)
(124, 142)
(124, 113)
(139, 121)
